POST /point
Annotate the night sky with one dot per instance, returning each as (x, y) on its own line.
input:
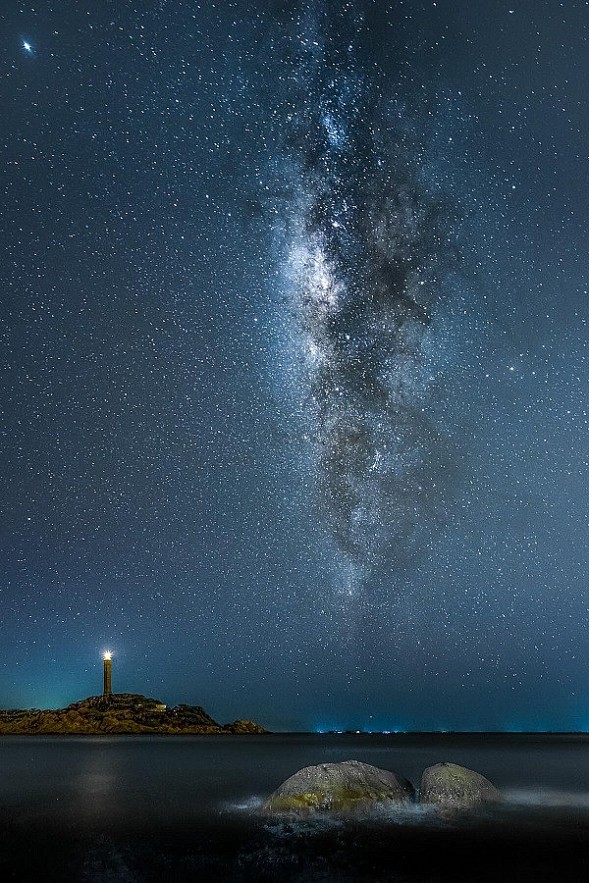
(293, 365)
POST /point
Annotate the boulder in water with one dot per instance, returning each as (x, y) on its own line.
(346, 787)
(452, 787)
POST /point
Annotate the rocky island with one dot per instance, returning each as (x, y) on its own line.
(120, 714)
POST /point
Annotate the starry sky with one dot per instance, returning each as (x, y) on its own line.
(293, 359)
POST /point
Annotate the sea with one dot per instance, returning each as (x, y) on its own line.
(182, 808)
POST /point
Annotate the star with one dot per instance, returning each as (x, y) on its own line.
(27, 47)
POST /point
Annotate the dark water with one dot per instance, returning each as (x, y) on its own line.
(187, 808)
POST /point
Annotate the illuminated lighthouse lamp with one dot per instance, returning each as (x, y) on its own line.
(107, 688)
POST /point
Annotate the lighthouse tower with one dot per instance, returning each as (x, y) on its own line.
(107, 688)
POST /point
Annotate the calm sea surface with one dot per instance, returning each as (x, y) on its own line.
(187, 808)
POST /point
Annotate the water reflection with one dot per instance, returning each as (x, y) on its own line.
(96, 791)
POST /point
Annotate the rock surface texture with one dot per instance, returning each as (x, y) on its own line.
(122, 713)
(346, 787)
(452, 787)
(244, 728)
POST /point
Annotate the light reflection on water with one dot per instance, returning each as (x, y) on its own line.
(96, 783)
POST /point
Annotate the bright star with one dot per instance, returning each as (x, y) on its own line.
(27, 46)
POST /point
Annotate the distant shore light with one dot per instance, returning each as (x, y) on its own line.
(107, 655)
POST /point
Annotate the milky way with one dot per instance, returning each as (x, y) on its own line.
(369, 248)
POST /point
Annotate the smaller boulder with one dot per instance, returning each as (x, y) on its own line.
(452, 787)
(347, 787)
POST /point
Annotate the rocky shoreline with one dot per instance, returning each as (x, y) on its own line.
(120, 714)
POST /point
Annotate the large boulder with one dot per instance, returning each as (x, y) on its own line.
(346, 787)
(452, 787)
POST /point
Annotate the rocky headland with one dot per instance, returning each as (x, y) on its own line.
(123, 714)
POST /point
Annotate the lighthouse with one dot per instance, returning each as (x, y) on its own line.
(107, 688)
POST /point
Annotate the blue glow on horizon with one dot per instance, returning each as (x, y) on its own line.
(385, 731)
